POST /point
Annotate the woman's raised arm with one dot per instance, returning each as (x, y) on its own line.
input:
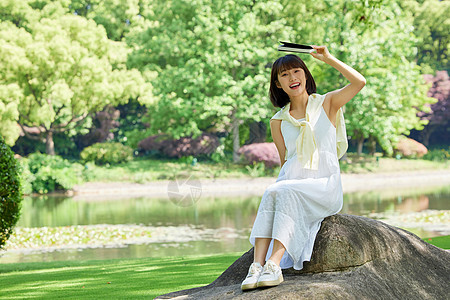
(341, 96)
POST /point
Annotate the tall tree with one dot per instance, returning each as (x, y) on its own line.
(213, 62)
(65, 68)
(431, 26)
(119, 17)
(376, 38)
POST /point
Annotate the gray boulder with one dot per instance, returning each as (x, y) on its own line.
(353, 258)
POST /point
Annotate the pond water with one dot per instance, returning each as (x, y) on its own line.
(235, 215)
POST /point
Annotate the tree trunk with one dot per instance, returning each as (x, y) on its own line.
(372, 145)
(49, 145)
(425, 135)
(360, 146)
(235, 131)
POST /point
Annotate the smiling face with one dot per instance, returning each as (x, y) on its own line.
(293, 81)
(289, 77)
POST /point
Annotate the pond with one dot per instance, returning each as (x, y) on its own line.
(232, 218)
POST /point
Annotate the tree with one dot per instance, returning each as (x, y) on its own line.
(9, 114)
(377, 39)
(439, 116)
(119, 17)
(65, 69)
(431, 26)
(213, 62)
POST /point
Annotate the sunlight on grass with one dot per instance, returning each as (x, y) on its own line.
(135, 278)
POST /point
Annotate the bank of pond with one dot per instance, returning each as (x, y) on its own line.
(158, 227)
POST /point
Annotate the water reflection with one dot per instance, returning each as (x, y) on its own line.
(238, 213)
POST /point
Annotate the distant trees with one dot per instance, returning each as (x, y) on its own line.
(377, 39)
(56, 71)
(213, 61)
(439, 116)
(431, 26)
(204, 66)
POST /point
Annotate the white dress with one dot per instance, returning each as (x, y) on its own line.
(292, 208)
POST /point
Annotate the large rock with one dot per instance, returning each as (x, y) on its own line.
(354, 258)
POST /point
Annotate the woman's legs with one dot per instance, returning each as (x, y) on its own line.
(277, 251)
(261, 247)
(260, 251)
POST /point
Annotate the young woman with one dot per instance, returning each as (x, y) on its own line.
(309, 133)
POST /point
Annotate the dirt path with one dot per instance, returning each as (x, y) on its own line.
(256, 186)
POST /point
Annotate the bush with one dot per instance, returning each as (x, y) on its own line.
(107, 153)
(51, 172)
(260, 152)
(205, 144)
(438, 155)
(10, 192)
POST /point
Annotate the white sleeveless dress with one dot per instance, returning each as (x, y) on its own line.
(292, 209)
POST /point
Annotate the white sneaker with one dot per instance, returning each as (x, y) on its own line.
(271, 275)
(251, 280)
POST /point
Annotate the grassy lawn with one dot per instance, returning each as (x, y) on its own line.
(145, 170)
(142, 170)
(440, 241)
(118, 279)
(113, 279)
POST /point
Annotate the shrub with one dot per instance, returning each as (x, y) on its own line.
(52, 172)
(10, 192)
(26, 178)
(107, 153)
(260, 152)
(438, 155)
(205, 144)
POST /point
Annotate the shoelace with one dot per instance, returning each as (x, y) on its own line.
(270, 268)
(253, 269)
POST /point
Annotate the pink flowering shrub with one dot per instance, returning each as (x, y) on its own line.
(260, 152)
(410, 148)
(185, 146)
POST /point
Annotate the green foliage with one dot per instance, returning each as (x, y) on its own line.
(219, 156)
(51, 172)
(212, 60)
(107, 153)
(118, 17)
(133, 124)
(209, 62)
(258, 169)
(10, 192)
(59, 69)
(377, 39)
(431, 25)
(438, 155)
(26, 177)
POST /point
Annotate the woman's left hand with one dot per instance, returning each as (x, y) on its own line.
(321, 53)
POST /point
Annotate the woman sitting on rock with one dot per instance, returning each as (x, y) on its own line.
(309, 133)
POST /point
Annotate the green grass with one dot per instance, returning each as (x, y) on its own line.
(119, 279)
(143, 170)
(439, 241)
(113, 279)
(369, 164)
